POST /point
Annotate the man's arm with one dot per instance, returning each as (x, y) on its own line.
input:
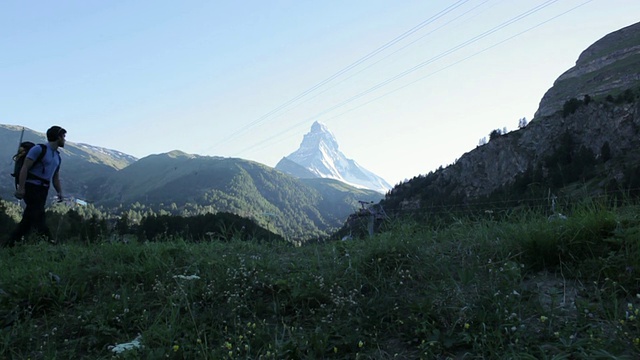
(22, 179)
(56, 185)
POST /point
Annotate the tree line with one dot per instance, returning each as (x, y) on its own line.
(88, 224)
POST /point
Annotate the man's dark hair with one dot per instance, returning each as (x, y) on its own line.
(55, 132)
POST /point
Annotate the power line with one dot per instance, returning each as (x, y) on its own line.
(437, 57)
(422, 64)
(464, 59)
(344, 70)
(390, 54)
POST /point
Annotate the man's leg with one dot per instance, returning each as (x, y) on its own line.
(38, 219)
(25, 223)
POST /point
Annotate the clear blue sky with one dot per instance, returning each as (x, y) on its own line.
(405, 86)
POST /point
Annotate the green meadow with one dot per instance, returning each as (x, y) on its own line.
(521, 286)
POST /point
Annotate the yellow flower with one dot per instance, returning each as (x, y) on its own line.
(360, 344)
(467, 326)
(176, 348)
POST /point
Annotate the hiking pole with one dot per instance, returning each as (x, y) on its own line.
(21, 137)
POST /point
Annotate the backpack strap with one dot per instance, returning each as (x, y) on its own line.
(43, 152)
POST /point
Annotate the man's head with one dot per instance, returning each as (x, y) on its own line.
(56, 134)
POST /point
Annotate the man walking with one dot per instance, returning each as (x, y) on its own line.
(37, 174)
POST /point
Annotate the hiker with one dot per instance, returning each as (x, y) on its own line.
(38, 172)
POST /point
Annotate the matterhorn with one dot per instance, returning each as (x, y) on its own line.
(319, 157)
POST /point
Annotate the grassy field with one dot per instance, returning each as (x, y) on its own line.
(523, 287)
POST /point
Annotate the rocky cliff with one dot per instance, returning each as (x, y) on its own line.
(605, 126)
(608, 66)
(497, 163)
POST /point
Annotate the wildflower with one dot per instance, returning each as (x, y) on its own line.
(335, 350)
(630, 306)
(360, 344)
(228, 345)
(199, 341)
(543, 318)
(622, 322)
(176, 348)
(636, 341)
(135, 344)
(467, 326)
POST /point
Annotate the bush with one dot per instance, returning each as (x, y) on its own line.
(570, 106)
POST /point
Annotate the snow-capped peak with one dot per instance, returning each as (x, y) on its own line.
(319, 156)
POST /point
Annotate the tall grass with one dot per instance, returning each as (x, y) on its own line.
(522, 287)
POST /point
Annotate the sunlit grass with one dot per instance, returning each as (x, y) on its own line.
(522, 287)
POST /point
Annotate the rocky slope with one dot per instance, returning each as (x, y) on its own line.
(608, 66)
(606, 125)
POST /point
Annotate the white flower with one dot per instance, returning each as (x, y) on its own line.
(120, 348)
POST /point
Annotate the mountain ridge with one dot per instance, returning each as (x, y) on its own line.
(89, 163)
(187, 184)
(607, 66)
